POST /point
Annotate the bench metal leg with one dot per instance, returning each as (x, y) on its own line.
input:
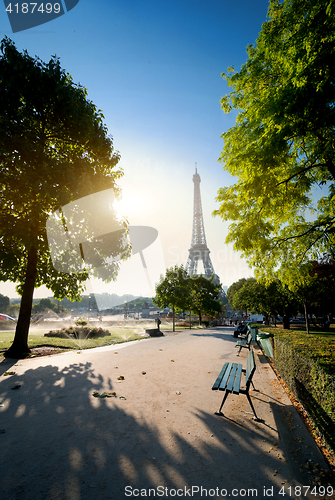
(253, 409)
(244, 371)
(254, 386)
(224, 399)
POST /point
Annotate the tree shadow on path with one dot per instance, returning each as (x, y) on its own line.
(62, 443)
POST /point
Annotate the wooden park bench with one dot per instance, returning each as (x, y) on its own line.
(244, 332)
(230, 381)
(241, 331)
(244, 343)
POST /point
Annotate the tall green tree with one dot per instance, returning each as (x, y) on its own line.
(246, 296)
(204, 296)
(281, 148)
(234, 287)
(54, 149)
(173, 290)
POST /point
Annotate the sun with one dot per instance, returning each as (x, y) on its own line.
(131, 204)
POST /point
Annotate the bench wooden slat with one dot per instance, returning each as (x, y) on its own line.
(231, 380)
(250, 364)
(218, 380)
(225, 377)
(237, 384)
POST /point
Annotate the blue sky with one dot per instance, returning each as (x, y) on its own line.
(154, 68)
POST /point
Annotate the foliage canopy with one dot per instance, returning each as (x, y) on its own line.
(310, 290)
(282, 148)
(204, 296)
(45, 305)
(271, 298)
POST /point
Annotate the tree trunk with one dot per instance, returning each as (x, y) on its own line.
(19, 348)
(173, 320)
(286, 322)
(306, 317)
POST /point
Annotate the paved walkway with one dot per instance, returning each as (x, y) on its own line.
(163, 440)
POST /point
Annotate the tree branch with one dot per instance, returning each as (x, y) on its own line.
(309, 231)
(301, 172)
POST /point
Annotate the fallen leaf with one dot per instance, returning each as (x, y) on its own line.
(9, 373)
(121, 377)
(122, 397)
(143, 373)
(16, 387)
(178, 392)
(172, 360)
(97, 394)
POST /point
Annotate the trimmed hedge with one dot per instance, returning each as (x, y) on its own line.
(311, 385)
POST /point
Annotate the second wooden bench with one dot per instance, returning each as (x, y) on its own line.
(244, 343)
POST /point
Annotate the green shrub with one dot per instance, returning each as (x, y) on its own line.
(84, 332)
(81, 322)
(312, 386)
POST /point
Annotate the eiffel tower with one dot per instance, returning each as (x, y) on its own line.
(199, 249)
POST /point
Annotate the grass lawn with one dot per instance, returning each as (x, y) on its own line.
(318, 345)
(36, 339)
(117, 335)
